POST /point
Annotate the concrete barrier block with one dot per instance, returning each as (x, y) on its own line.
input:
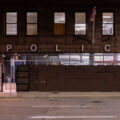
(9, 87)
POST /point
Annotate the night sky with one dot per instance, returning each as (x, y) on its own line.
(38, 2)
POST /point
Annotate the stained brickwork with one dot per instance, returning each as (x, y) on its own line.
(64, 78)
(45, 38)
(74, 78)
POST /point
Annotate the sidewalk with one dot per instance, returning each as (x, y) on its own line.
(59, 94)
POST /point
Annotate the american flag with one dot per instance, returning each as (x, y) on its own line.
(93, 14)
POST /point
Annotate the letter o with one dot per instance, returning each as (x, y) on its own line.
(33, 48)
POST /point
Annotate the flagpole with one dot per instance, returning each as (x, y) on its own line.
(92, 19)
(93, 41)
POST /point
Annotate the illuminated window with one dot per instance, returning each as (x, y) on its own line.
(117, 56)
(98, 57)
(74, 59)
(108, 57)
(105, 59)
(59, 23)
(64, 59)
(32, 23)
(85, 58)
(11, 23)
(108, 23)
(80, 23)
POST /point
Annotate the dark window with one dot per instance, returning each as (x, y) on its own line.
(80, 23)
(11, 23)
(32, 23)
(59, 23)
(108, 23)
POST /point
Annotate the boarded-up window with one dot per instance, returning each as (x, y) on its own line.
(80, 23)
(59, 23)
(32, 23)
(11, 23)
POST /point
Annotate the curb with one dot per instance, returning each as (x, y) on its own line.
(60, 95)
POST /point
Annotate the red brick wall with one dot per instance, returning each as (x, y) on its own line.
(68, 43)
(74, 78)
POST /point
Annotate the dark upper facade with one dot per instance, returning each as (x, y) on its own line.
(61, 2)
(74, 25)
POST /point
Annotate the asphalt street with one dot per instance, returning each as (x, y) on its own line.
(60, 108)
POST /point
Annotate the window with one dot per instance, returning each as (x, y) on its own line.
(117, 56)
(108, 57)
(54, 59)
(59, 23)
(85, 58)
(64, 59)
(108, 23)
(98, 57)
(11, 23)
(80, 23)
(74, 59)
(32, 23)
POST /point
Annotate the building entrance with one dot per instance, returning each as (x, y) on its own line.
(67, 72)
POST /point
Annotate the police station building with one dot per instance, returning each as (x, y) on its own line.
(60, 46)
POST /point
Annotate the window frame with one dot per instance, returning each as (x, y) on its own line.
(108, 11)
(31, 23)
(60, 11)
(86, 32)
(10, 23)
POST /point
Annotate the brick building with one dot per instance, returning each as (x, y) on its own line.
(48, 45)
